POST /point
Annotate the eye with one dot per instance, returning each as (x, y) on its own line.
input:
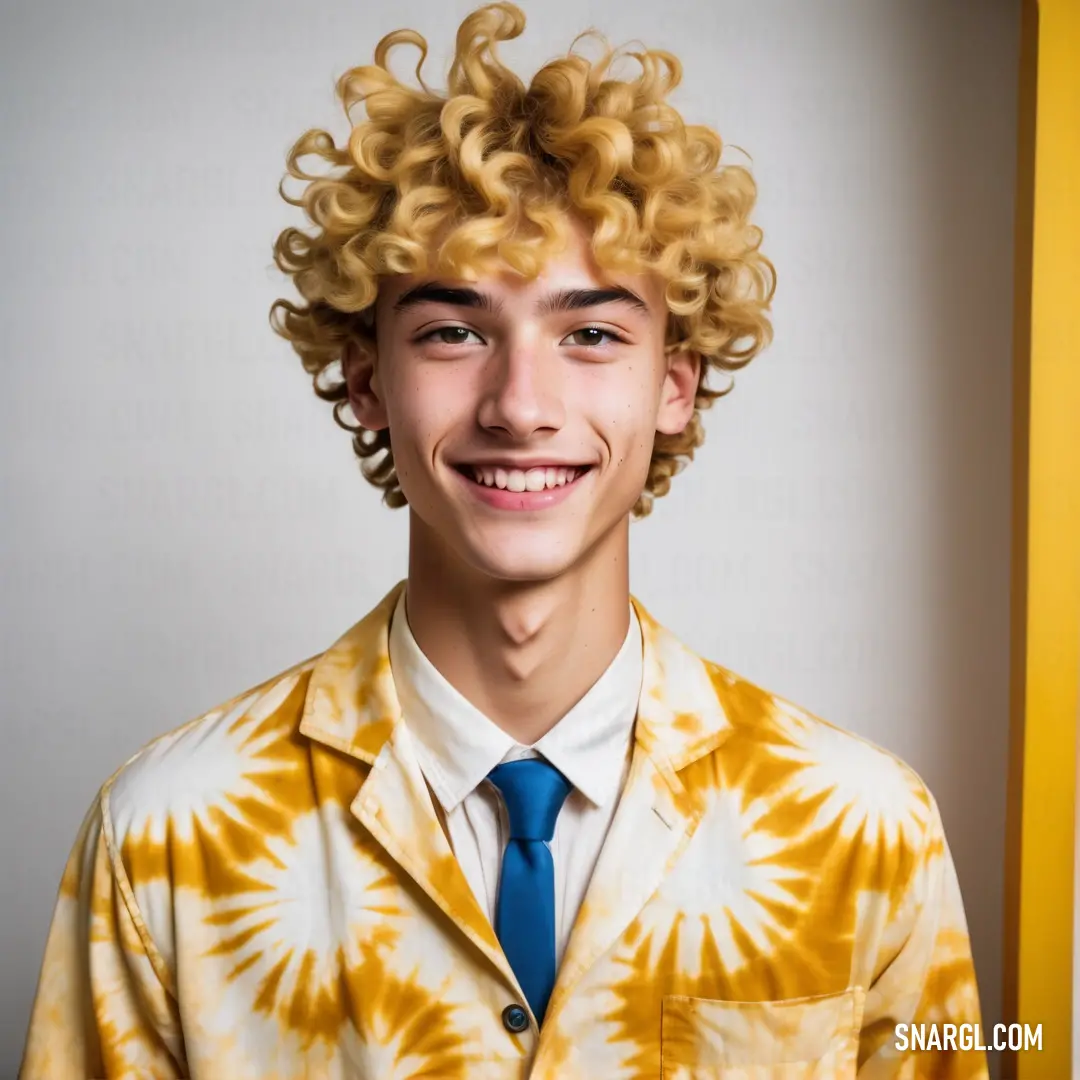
(590, 337)
(450, 335)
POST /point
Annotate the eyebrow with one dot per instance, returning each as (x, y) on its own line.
(431, 292)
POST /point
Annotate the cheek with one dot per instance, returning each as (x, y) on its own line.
(624, 410)
(423, 408)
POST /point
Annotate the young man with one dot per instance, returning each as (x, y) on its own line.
(508, 825)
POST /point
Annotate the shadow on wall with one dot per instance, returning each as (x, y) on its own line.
(967, 300)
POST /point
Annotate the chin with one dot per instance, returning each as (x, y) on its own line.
(521, 566)
(535, 554)
(524, 558)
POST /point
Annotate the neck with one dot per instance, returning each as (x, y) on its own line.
(523, 653)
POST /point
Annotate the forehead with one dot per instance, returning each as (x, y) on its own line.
(574, 267)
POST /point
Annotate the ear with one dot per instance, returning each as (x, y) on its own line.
(358, 364)
(677, 392)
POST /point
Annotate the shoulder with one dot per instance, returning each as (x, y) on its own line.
(240, 770)
(785, 753)
(206, 760)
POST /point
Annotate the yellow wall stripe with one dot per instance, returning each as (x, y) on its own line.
(1047, 589)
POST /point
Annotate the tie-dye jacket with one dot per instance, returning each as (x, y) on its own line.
(267, 894)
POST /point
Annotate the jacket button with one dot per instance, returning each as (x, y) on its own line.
(515, 1018)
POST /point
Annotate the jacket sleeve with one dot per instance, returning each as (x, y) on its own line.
(929, 979)
(103, 1008)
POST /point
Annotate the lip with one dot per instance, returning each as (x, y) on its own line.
(503, 499)
(524, 465)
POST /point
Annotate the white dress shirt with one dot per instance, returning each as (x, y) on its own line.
(457, 746)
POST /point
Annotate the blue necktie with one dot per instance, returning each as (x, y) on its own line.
(534, 792)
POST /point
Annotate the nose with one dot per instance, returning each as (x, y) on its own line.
(523, 390)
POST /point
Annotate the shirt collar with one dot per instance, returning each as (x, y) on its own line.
(459, 745)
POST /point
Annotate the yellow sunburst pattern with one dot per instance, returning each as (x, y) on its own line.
(267, 893)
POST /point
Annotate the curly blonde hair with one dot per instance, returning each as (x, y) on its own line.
(483, 179)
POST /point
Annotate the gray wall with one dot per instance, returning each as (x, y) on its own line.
(183, 519)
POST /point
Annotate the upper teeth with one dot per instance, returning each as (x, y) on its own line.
(521, 480)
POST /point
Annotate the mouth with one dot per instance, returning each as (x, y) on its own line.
(545, 478)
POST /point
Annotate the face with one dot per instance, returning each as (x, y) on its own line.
(522, 414)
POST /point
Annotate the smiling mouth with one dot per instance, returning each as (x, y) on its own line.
(541, 479)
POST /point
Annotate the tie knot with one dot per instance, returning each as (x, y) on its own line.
(534, 792)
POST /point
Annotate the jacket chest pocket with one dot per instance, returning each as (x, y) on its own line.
(814, 1038)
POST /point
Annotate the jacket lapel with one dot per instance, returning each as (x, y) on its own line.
(352, 706)
(679, 720)
(395, 806)
(652, 825)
